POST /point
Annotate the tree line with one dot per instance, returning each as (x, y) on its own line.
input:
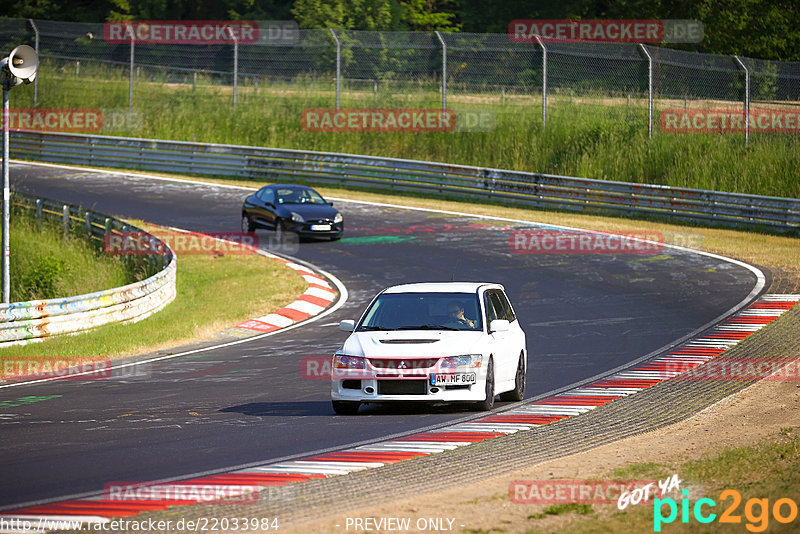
(765, 29)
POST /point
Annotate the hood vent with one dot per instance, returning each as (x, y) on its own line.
(407, 341)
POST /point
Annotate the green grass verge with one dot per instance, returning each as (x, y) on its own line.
(45, 265)
(593, 136)
(214, 293)
(769, 470)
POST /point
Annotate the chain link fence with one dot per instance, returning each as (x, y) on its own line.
(391, 68)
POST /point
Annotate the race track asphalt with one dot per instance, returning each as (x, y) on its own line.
(583, 314)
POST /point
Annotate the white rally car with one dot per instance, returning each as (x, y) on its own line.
(431, 342)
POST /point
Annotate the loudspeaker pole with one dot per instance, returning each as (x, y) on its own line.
(19, 67)
(6, 198)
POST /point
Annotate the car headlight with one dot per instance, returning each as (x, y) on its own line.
(338, 218)
(467, 360)
(296, 217)
(343, 361)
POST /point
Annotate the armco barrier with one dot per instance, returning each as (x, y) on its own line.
(532, 189)
(24, 322)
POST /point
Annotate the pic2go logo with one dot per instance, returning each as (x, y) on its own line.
(756, 511)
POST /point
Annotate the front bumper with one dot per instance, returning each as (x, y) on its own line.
(304, 229)
(369, 390)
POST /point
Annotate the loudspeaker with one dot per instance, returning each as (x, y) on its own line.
(20, 65)
(23, 63)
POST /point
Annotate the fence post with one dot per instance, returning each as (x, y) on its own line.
(235, 66)
(38, 214)
(544, 81)
(649, 90)
(338, 65)
(129, 29)
(444, 70)
(65, 220)
(746, 99)
(36, 47)
(88, 219)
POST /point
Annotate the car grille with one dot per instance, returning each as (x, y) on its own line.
(402, 387)
(404, 363)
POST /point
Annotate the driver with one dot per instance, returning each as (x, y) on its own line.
(457, 319)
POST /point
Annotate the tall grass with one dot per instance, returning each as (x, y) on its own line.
(44, 265)
(594, 136)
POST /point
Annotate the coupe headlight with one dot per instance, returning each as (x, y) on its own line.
(296, 217)
(468, 360)
(338, 218)
(343, 361)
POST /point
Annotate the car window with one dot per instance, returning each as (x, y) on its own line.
(423, 311)
(508, 313)
(493, 307)
(267, 195)
(298, 195)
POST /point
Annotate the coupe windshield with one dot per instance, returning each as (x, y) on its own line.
(423, 311)
(298, 195)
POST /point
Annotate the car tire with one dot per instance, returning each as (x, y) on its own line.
(518, 393)
(247, 223)
(345, 407)
(488, 403)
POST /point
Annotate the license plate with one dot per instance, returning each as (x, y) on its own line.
(455, 379)
(320, 227)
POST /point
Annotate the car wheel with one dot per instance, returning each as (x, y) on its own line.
(518, 393)
(345, 407)
(488, 403)
(247, 223)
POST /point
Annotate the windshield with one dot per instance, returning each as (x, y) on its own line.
(423, 311)
(298, 195)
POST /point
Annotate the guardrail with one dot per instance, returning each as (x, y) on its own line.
(530, 189)
(25, 322)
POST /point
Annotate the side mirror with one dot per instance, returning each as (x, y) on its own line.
(330, 203)
(498, 325)
(348, 325)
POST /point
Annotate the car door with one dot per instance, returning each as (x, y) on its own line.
(515, 333)
(502, 342)
(265, 207)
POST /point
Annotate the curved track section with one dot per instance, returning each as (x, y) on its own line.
(248, 404)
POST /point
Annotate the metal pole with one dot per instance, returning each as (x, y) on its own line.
(444, 71)
(6, 198)
(130, 81)
(544, 82)
(649, 90)
(338, 66)
(235, 66)
(746, 99)
(36, 47)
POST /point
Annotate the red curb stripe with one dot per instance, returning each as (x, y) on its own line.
(452, 436)
(370, 454)
(100, 508)
(382, 458)
(532, 419)
(773, 305)
(260, 477)
(294, 315)
(314, 300)
(250, 480)
(558, 401)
